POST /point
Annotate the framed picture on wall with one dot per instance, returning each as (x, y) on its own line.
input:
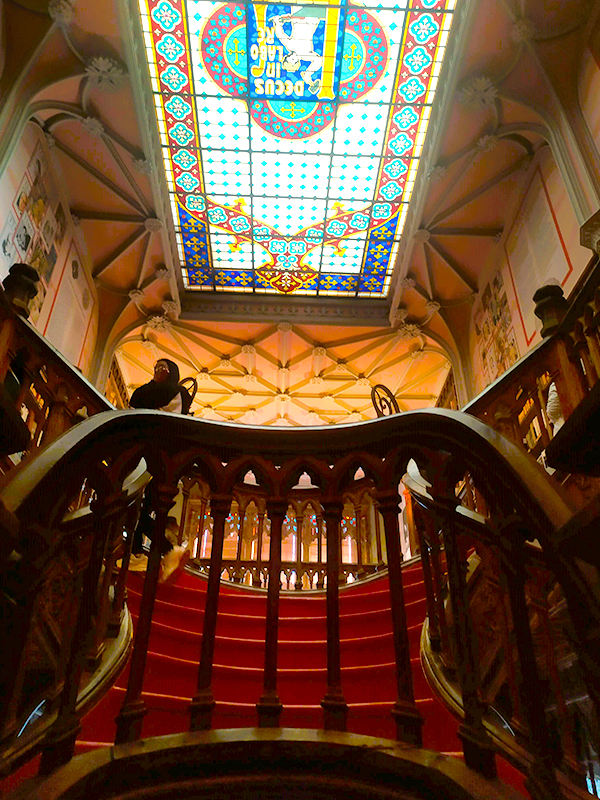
(37, 164)
(61, 226)
(48, 228)
(21, 201)
(24, 236)
(8, 252)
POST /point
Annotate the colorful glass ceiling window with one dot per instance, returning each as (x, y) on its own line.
(291, 136)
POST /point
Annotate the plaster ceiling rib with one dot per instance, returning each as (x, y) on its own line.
(451, 262)
(118, 251)
(125, 354)
(392, 363)
(423, 376)
(127, 175)
(477, 193)
(451, 185)
(179, 340)
(429, 272)
(380, 359)
(107, 216)
(99, 176)
(142, 263)
(485, 233)
(194, 332)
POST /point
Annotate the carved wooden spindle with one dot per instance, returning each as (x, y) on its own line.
(104, 602)
(435, 638)
(299, 543)
(107, 516)
(541, 781)
(438, 587)
(409, 721)
(477, 745)
(131, 715)
(269, 706)
(334, 703)
(118, 608)
(203, 702)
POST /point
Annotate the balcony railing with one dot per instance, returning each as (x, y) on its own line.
(446, 446)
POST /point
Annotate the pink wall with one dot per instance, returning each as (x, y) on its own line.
(36, 228)
(540, 245)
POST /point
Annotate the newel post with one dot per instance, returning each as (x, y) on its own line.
(107, 514)
(130, 717)
(269, 706)
(478, 748)
(541, 781)
(334, 703)
(409, 721)
(203, 702)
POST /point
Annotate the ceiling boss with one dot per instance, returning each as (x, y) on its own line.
(291, 136)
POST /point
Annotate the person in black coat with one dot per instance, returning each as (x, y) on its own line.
(163, 392)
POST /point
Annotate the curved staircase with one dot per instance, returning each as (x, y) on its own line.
(367, 655)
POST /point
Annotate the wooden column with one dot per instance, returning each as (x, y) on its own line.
(413, 536)
(377, 530)
(259, 543)
(59, 745)
(116, 615)
(269, 706)
(130, 717)
(409, 721)
(203, 702)
(185, 493)
(334, 703)
(477, 745)
(320, 579)
(541, 781)
(299, 554)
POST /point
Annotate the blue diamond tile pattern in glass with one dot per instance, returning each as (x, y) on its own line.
(291, 136)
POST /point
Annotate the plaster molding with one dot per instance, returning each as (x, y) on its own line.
(201, 305)
(171, 308)
(153, 225)
(143, 166)
(159, 322)
(62, 12)
(478, 94)
(93, 126)
(408, 330)
(437, 173)
(485, 144)
(407, 282)
(590, 233)
(421, 236)
(521, 31)
(161, 273)
(105, 74)
(137, 295)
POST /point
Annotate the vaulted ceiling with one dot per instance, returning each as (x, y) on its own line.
(295, 361)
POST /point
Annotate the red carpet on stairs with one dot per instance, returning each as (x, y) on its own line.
(367, 654)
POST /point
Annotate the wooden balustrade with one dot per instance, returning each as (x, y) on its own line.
(446, 445)
(530, 402)
(499, 639)
(41, 391)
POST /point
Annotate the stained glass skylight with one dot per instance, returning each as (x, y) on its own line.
(291, 136)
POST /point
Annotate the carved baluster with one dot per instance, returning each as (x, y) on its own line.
(116, 616)
(334, 703)
(269, 706)
(130, 717)
(409, 721)
(541, 781)
(477, 745)
(299, 543)
(570, 760)
(104, 603)
(570, 382)
(413, 535)
(432, 609)
(202, 704)
(438, 584)
(377, 527)
(185, 493)
(259, 542)
(590, 332)
(583, 350)
(107, 516)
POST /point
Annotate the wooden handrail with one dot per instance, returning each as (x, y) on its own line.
(105, 448)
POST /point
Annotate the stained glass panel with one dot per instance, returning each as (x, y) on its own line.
(291, 136)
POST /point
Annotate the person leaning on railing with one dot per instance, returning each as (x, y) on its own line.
(163, 393)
